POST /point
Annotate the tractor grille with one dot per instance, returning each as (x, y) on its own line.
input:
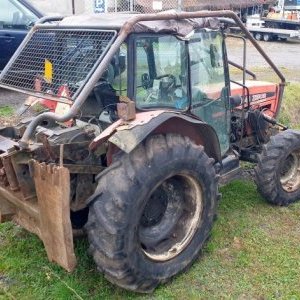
(56, 58)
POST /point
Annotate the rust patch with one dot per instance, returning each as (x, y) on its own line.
(126, 111)
(140, 119)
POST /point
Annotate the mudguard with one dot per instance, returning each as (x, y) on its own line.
(127, 135)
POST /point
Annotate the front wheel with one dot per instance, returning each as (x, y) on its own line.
(277, 173)
(152, 212)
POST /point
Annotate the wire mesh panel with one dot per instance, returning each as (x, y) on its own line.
(119, 5)
(57, 58)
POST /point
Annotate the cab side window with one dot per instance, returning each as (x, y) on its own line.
(119, 65)
(208, 84)
(113, 82)
(207, 69)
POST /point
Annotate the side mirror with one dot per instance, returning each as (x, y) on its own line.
(235, 101)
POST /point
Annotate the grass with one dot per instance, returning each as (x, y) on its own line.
(264, 74)
(6, 115)
(6, 111)
(253, 253)
(290, 109)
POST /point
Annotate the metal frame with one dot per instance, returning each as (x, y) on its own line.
(244, 54)
(126, 29)
(253, 75)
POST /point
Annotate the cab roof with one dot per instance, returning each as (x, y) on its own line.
(117, 21)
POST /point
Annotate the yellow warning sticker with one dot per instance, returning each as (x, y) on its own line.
(48, 71)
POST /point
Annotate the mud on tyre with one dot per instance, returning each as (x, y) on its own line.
(152, 211)
(277, 173)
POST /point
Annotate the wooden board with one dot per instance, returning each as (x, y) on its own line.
(6, 211)
(53, 192)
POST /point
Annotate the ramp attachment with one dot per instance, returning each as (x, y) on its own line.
(52, 184)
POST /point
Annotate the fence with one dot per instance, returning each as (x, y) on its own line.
(146, 6)
(66, 7)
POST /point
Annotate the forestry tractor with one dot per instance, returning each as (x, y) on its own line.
(139, 123)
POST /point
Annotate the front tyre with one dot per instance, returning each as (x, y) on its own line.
(152, 212)
(277, 173)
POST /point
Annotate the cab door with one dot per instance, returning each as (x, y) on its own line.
(209, 91)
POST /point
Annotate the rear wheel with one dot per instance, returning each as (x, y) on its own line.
(277, 174)
(267, 37)
(152, 212)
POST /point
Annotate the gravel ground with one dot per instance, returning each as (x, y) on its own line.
(11, 98)
(285, 55)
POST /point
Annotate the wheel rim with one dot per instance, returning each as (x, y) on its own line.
(290, 174)
(258, 36)
(171, 217)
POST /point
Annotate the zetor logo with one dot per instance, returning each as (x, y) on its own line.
(258, 97)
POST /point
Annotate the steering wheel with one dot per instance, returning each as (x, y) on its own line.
(146, 82)
(168, 82)
(167, 85)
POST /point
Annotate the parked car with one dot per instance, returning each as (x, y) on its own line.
(16, 18)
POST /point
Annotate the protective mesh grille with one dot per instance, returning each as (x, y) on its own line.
(70, 55)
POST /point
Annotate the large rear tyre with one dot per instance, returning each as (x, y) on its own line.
(152, 212)
(277, 173)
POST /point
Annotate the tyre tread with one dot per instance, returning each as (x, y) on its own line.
(110, 252)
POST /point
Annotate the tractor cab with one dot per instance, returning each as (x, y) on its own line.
(184, 74)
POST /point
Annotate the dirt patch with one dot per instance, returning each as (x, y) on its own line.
(5, 281)
(9, 121)
(9, 98)
(247, 174)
